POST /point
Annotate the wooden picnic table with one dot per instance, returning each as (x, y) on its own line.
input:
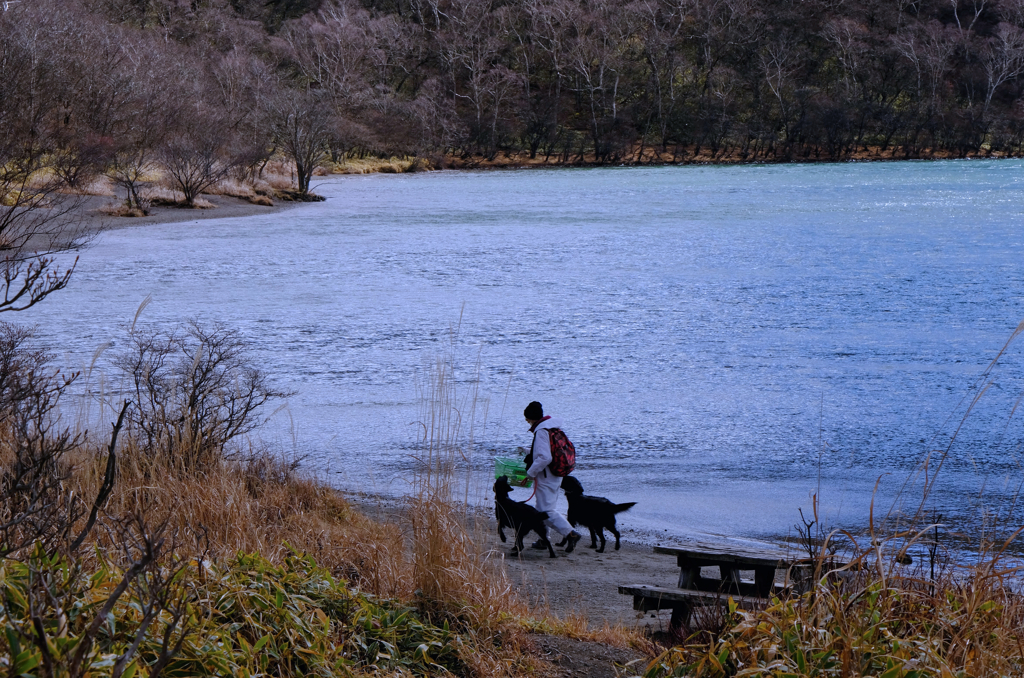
(730, 561)
(695, 590)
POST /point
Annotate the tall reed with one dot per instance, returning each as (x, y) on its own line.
(451, 567)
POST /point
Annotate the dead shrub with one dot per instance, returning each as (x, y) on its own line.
(36, 505)
(123, 210)
(196, 392)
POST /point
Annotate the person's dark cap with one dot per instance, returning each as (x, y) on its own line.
(534, 411)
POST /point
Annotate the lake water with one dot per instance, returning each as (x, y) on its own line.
(721, 341)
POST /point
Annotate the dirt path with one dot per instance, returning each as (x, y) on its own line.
(586, 582)
(582, 583)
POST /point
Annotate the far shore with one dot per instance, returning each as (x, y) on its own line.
(687, 156)
(94, 214)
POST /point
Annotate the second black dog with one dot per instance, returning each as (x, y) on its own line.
(594, 513)
(519, 516)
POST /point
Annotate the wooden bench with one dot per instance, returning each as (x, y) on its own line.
(694, 590)
(682, 601)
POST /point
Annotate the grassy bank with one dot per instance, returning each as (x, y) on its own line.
(253, 571)
(249, 569)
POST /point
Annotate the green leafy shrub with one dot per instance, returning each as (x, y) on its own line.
(246, 617)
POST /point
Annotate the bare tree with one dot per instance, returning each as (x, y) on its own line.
(1003, 60)
(303, 124)
(36, 504)
(150, 111)
(90, 86)
(131, 168)
(473, 47)
(36, 218)
(197, 156)
(543, 38)
(594, 59)
(196, 392)
(332, 50)
(245, 88)
(80, 157)
(847, 38)
(929, 49)
(778, 63)
(972, 10)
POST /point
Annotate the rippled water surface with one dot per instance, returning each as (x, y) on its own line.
(721, 341)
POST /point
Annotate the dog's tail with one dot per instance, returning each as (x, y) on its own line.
(619, 508)
(543, 515)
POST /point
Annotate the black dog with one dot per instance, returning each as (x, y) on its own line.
(519, 516)
(594, 513)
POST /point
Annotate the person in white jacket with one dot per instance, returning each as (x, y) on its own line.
(547, 483)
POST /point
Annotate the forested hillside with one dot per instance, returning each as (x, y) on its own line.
(114, 86)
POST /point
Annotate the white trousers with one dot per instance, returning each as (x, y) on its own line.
(548, 486)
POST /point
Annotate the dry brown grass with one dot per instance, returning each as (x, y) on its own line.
(451, 569)
(578, 627)
(162, 191)
(165, 196)
(968, 624)
(98, 186)
(120, 209)
(429, 558)
(160, 196)
(872, 612)
(257, 192)
(277, 175)
(381, 165)
(259, 505)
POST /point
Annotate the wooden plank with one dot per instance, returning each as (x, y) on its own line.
(706, 557)
(670, 596)
(764, 580)
(688, 577)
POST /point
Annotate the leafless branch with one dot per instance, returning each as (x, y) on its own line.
(108, 479)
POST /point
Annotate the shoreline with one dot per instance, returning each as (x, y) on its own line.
(686, 157)
(90, 218)
(582, 585)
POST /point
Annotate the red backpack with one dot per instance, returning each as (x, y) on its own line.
(563, 453)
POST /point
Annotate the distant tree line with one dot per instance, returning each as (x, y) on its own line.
(204, 88)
